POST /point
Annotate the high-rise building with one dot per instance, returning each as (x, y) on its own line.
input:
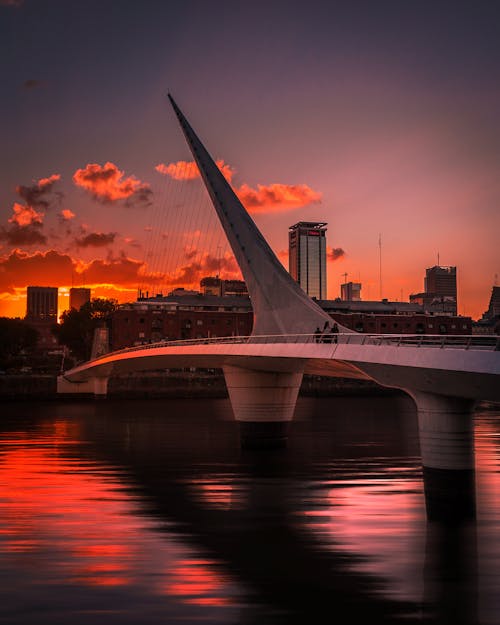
(78, 296)
(350, 291)
(440, 290)
(494, 307)
(41, 303)
(307, 257)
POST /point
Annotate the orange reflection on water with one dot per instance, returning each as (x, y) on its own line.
(196, 582)
(71, 517)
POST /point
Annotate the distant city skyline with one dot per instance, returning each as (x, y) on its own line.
(380, 120)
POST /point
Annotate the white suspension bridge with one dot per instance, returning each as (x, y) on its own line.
(263, 372)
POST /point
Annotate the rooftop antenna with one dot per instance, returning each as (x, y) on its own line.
(380, 263)
(438, 259)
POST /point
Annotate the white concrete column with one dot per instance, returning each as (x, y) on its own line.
(446, 431)
(96, 386)
(263, 402)
(100, 387)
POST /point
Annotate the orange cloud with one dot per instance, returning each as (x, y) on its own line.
(264, 199)
(67, 215)
(107, 184)
(202, 265)
(188, 170)
(25, 215)
(276, 197)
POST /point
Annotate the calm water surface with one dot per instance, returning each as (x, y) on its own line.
(149, 512)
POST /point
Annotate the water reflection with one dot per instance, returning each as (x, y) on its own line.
(149, 511)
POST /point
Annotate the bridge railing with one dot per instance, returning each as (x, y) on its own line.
(481, 342)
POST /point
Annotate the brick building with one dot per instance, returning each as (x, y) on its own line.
(205, 316)
(189, 317)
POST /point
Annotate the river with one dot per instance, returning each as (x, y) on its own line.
(150, 512)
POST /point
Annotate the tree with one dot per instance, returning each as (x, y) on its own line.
(76, 329)
(16, 339)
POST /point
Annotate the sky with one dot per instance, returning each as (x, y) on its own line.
(380, 119)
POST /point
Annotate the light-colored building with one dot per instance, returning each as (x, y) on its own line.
(350, 291)
(307, 256)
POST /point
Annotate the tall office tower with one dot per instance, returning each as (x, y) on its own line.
(441, 281)
(78, 296)
(350, 291)
(307, 257)
(440, 291)
(42, 303)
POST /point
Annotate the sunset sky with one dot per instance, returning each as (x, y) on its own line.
(374, 117)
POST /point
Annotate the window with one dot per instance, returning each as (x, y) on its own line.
(199, 322)
(141, 335)
(141, 320)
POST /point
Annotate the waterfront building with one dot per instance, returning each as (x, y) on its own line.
(78, 296)
(307, 256)
(208, 316)
(213, 285)
(350, 291)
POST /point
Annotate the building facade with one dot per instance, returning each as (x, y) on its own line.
(307, 257)
(440, 291)
(41, 314)
(350, 292)
(41, 303)
(78, 296)
(209, 316)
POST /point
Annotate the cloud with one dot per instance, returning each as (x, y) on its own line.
(11, 3)
(276, 197)
(20, 268)
(96, 239)
(107, 184)
(38, 194)
(67, 215)
(23, 235)
(120, 270)
(25, 215)
(188, 170)
(203, 265)
(334, 253)
(265, 199)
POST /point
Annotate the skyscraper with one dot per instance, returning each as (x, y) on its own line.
(307, 256)
(41, 303)
(440, 291)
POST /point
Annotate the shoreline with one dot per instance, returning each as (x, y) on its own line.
(174, 385)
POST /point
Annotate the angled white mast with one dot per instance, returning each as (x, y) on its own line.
(280, 306)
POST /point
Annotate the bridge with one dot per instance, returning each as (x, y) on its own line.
(263, 372)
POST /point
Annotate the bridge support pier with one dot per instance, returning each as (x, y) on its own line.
(263, 403)
(96, 386)
(446, 433)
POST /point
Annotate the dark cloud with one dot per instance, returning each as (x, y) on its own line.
(40, 194)
(96, 239)
(335, 253)
(11, 3)
(23, 235)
